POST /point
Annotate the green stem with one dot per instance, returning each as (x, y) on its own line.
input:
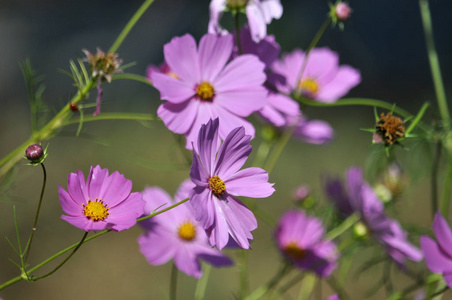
(18, 278)
(314, 43)
(130, 25)
(134, 77)
(279, 147)
(112, 116)
(65, 260)
(237, 31)
(173, 282)
(417, 119)
(447, 187)
(434, 62)
(344, 226)
(243, 274)
(434, 178)
(35, 223)
(201, 285)
(261, 291)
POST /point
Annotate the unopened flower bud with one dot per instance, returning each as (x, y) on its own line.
(342, 11)
(360, 231)
(301, 193)
(34, 153)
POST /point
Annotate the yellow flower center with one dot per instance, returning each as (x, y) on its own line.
(217, 185)
(96, 210)
(205, 91)
(236, 4)
(187, 231)
(308, 86)
(293, 250)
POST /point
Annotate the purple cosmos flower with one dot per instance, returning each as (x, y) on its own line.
(259, 14)
(316, 132)
(176, 234)
(215, 171)
(207, 87)
(438, 254)
(162, 69)
(360, 197)
(322, 78)
(300, 238)
(102, 202)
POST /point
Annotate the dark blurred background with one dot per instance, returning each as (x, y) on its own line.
(383, 39)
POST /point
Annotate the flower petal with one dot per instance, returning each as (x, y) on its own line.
(244, 101)
(182, 57)
(214, 52)
(208, 144)
(251, 182)
(68, 204)
(203, 207)
(256, 20)
(95, 180)
(115, 189)
(173, 90)
(443, 233)
(156, 246)
(345, 79)
(77, 188)
(435, 259)
(178, 118)
(125, 215)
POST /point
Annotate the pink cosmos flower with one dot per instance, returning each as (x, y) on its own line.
(438, 254)
(207, 87)
(176, 234)
(215, 171)
(322, 79)
(300, 239)
(102, 202)
(360, 197)
(259, 14)
(162, 69)
(316, 132)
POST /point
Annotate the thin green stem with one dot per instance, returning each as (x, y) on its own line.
(130, 25)
(344, 226)
(18, 278)
(417, 119)
(263, 290)
(65, 260)
(35, 223)
(237, 31)
(337, 288)
(445, 202)
(112, 116)
(434, 62)
(278, 149)
(314, 43)
(434, 178)
(201, 285)
(134, 77)
(243, 274)
(173, 282)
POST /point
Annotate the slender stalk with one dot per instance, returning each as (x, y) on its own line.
(434, 178)
(237, 32)
(201, 285)
(35, 223)
(447, 187)
(112, 116)
(18, 278)
(344, 226)
(278, 149)
(434, 62)
(65, 260)
(130, 25)
(314, 42)
(337, 288)
(243, 273)
(173, 282)
(263, 290)
(134, 77)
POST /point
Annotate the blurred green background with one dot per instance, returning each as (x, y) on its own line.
(383, 39)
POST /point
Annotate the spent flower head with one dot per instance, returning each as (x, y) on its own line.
(218, 178)
(389, 129)
(101, 202)
(103, 64)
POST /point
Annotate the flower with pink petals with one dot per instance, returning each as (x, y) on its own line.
(438, 254)
(322, 78)
(316, 132)
(207, 87)
(102, 202)
(300, 239)
(215, 171)
(259, 14)
(359, 197)
(176, 234)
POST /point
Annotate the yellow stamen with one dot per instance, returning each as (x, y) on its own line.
(236, 4)
(96, 211)
(187, 231)
(217, 185)
(205, 91)
(293, 250)
(308, 86)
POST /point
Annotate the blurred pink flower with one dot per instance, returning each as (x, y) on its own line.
(259, 14)
(207, 87)
(102, 202)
